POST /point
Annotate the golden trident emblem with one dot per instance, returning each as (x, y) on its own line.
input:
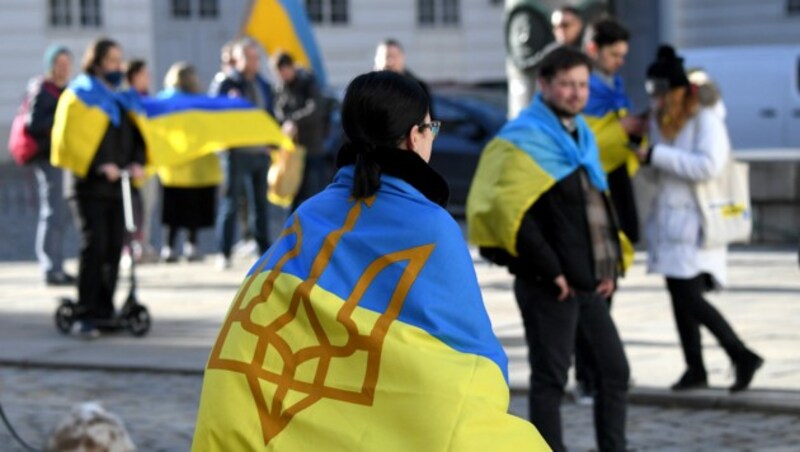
(276, 416)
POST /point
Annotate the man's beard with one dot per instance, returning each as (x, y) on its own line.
(560, 112)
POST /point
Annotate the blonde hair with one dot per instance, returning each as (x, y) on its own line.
(680, 104)
(183, 77)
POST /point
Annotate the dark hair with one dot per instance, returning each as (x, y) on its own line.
(379, 110)
(95, 53)
(607, 32)
(283, 59)
(134, 67)
(668, 66)
(393, 43)
(570, 10)
(562, 59)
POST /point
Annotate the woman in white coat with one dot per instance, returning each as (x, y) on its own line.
(690, 145)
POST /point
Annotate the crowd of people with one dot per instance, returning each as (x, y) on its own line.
(552, 198)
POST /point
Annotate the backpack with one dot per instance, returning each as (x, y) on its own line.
(21, 143)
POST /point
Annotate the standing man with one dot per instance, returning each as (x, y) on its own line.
(608, 115)
(537, 205)
(390, 56)
(44, 94)
(298, 107)
(245, 169)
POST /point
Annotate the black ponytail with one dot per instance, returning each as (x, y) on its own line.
(378, 111)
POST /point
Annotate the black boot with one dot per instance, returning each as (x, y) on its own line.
(746, 367)
(691, 379)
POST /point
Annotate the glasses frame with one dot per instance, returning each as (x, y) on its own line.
(435, 126)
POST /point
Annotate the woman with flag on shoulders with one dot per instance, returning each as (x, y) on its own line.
(363, 327)
(96, 137)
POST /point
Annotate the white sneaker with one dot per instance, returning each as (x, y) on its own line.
(191, 253)
(223, 263)
(168, 254)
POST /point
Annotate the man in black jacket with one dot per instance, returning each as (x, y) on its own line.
(299, 109)
(245, 168)
(565, 251)
(44, 94)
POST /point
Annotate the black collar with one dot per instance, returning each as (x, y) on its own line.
(406, 165)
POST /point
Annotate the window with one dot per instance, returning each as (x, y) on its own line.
(209, 9)
(60, 13)
(793, 7)
(328, 11)
(91, 14)
(181, 9)
(434, 12)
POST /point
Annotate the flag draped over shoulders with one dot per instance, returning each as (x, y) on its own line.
(176, 128)
(361, 329)
(530, 154)
(84, 112)
(606, 105)
(283, 25)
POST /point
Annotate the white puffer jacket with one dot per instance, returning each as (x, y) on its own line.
(674, 226)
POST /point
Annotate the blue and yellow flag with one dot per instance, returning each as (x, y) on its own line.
(530, 154)
(361, 329)
(603, 111)
(84, 112)
(283, 25)
(182, 127)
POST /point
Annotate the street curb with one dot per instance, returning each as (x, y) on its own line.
(756, 400)
(770, 401)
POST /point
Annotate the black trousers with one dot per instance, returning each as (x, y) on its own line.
(550, 330)
(585, 365)
(101, 224)
(692, 310)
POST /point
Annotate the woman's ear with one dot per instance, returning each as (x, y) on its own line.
(412, 140)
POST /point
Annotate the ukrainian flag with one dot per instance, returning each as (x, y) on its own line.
(529, 156)
(603, 111)
(283, 25)
(183, 127)
(84, 112)
(361, 329)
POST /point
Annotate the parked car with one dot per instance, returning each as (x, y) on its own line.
(469, 121)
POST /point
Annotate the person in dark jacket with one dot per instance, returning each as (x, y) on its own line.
(96, 198)
(299, 108)
(44, 94)
(538, 200)
(244, 169)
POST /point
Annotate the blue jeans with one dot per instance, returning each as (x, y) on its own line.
(52, 217)
(245, 173)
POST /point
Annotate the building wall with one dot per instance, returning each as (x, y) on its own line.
(706, 23)
(26, 33)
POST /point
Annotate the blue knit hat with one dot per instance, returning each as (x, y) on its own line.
(52, 52)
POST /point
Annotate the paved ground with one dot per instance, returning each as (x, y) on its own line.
(188, 302)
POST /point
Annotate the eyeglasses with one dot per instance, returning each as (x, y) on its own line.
(433, 125)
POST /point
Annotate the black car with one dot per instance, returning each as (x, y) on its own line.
(469, 121)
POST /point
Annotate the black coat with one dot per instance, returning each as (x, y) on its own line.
(122, 145)
(43, 97)
(300, 101)
(554, 239)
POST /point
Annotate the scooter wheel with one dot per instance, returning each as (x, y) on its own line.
(138, 320)
(65, 316)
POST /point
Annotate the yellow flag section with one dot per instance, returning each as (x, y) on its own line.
(354, 333)
(507, 183)
(612, 142)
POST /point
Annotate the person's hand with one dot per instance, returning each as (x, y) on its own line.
(643, 154)
(289, 129)
(110, 170)
(633, 125)
(136, 170)
(564, 291)
(606, 288)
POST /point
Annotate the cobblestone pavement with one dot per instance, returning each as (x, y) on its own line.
(159, 411)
